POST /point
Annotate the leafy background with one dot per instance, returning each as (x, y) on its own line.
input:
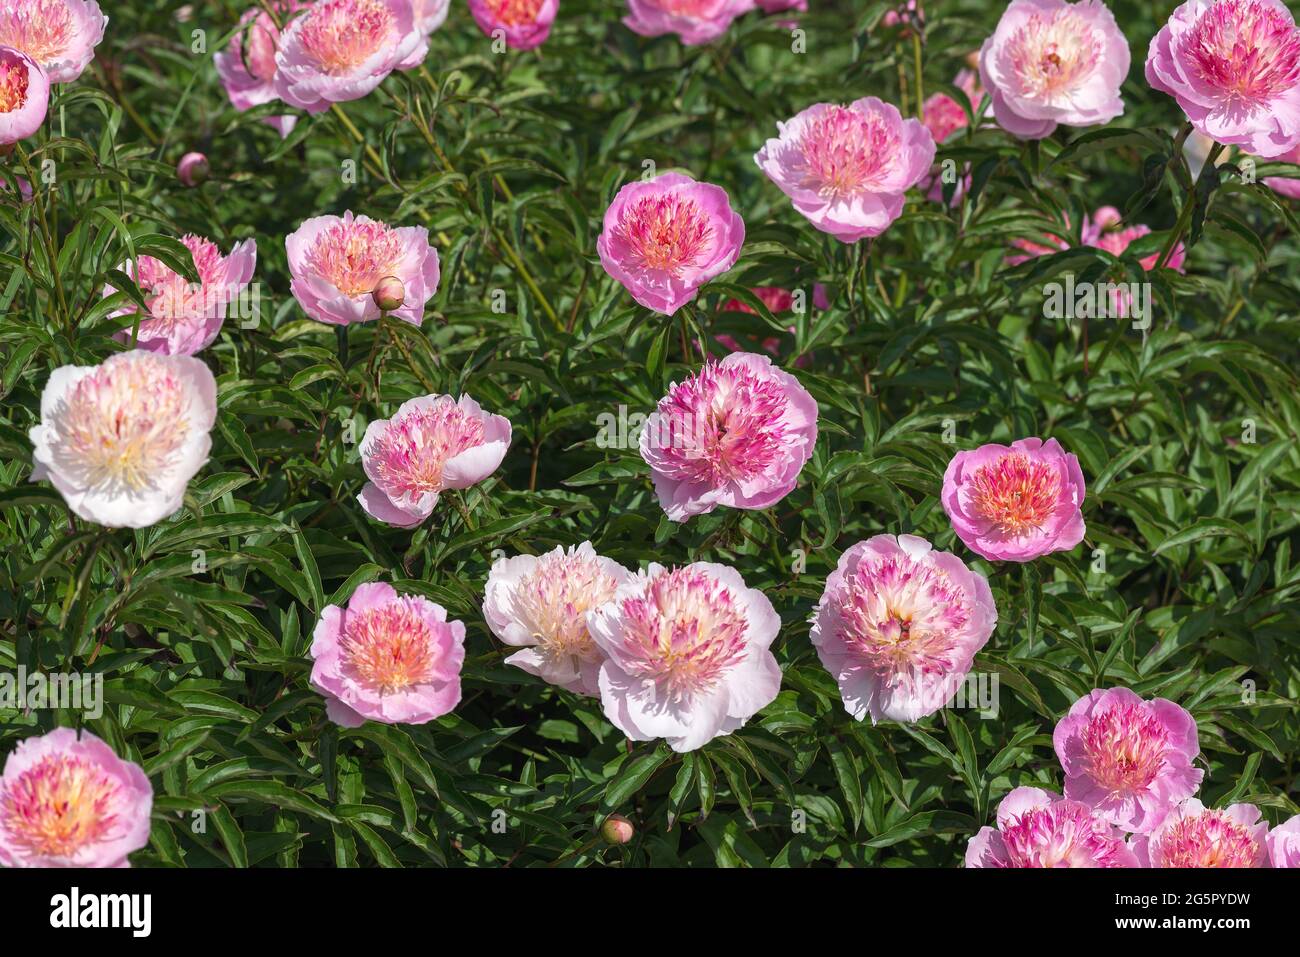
(510, 161)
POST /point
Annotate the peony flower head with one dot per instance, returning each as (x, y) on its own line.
(24, 96)
(387, 657)
(340, 50)
(1234, 68)
(846, 168)
(898, 626)
(943, 116)
(1129, 759)
(737, 433)
(694, 21)
(1102, 230)
(781, 6)
(60, 35)
(1284, 843)
(525, 24)
(687, 654)
(69, 801)
(539, 603)
(336, 262)
(665, 238)
(121, 440)
(777, 300)
(247, 66)
(1038, 828)
(1192, 835)
(1051, 62)
(433, 443)
(184, 317)
(1285, 185)
(1015, 504)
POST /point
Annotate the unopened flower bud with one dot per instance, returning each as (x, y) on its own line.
(193, 169)
(617, 829)
(389, 293)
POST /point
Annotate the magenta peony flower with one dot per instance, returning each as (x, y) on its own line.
(247, 66)
(24, 96)
(943, 116)
(737, 433)
(1015, 504)
(1051, 62)
(1038, 828)
(846, 168)
(687, 654)
(539, 603)
(665, 238)
(337, 262)
(340, 50)
(69, 801)
(1284, 843)
(1192, 835)
(60, 35)
(1129, 759)
(121, 440)
(525, 24)
(1234, 68)
(387, 657)
(432, 444)
(1284, 185)
(184, 317)
(898, 626)
(694, 21)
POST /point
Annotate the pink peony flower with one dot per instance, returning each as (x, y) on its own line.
(247, 66)
(694, 21)
(1283, 185)
(1192, 835)
(69, 801)
(898, 626)
(737, 433)
(432, 444)
(184, 317)
(24, 96)
(943, 116)
(846, 168)
(1128, 759)
(539, 603)
(337, 262)
(687, 654)
(781, 6)
(340, 50)
(1284, 843)
(121, 440)
(18, 185)
(1102, 230)
(665, 238)
(1038, 828)
(387, 657)
(60, 35)
(777, 300)
(431, 14)
(1051, 62)
(904, 15)
(1015, 504)
(1234, 68)
(524, 24)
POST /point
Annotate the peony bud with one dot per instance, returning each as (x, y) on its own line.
(193, 169)
(617, 829)
(389, 293)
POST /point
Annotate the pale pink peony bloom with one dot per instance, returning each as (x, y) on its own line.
(247, 66)
(1192, 835)
(687, 654)
(1234, 68)
(539, 603)
(340, 50)
(1284, 843)
(121, 440)
(1015, 504)
(69, 801)
(943, 116)
(1129, 759)
(184, 317)
(1051, 62)
(60, 35)
(387, 657)
(1038, 828)
(24, 96)
(737, 434)
(523, 24)
(665, 238)
(336, 262)
(694, 21)
(898, 626)
(1285, 185)
(846, 168)
(432, 444)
